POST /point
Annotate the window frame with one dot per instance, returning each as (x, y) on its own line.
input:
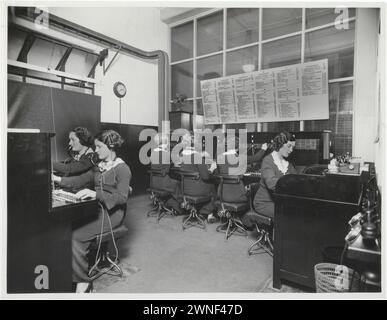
(261, 126)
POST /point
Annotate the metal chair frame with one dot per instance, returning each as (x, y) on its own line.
(264, 243)
(265, 240)
(233, 225)
(104, 263)
(193, 218)
(159, 208)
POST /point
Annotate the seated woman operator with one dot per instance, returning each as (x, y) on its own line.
(166, 183)
(274, 166)
(111, 183)
(82, 157)
(234, 193)
(205, 185)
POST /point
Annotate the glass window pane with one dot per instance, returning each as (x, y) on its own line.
(199, 120)
(16, 39)
(242, 26)
(208, 68)
(210, 34)
(340, 117)
(182, 79)
(277, 22)
(182, 42)
(281, 52)
(291, 126)
(238, 58)
(14, 77)
(42, 81)
(199, 106)
(186, 106)
(320, 16)
(80, 62)
(76, 89)
(336, 45)
(44, 53)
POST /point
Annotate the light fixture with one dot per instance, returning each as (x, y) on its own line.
(248, 67)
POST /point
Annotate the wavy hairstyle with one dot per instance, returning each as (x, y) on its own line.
(111, 138)
(84, 136)
(281, 139)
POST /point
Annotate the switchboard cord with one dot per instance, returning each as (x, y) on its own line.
(97, 258)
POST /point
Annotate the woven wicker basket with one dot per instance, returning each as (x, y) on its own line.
(332, 277)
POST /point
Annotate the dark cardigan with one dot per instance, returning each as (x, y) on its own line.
(270, 174)
(112, 186)
(74, 167)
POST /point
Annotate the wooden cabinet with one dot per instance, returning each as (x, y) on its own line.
(38, 234)
(311, 213)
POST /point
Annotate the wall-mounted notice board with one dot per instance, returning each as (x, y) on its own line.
(290, 93)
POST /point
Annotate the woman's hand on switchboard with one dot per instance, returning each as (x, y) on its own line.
(86, 194)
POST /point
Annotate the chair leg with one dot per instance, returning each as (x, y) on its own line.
(154, 211)
(164, 211)
(105, 265)
(115, 265)
(222, 227)
(193, 220)
(263, 243)
(234, 225)
(256, 243)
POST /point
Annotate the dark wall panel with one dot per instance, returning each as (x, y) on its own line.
(32, 106)
(73, 109)
(29, 106)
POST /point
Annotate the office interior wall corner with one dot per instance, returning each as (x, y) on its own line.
(365, 82)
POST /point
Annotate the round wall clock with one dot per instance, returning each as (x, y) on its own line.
(119, 89)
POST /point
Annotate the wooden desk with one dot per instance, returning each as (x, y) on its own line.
(311, 213)
(38, 234)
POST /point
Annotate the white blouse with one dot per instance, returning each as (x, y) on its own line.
(281, 163)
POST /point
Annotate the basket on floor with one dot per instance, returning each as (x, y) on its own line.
(332, 277)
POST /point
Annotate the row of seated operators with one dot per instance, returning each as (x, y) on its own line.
(274, 166)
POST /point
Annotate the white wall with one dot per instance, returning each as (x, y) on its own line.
(380, 147)
(365, 72)
(140, 28)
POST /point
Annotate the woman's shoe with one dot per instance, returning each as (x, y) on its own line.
(84, 287)
(211, 218)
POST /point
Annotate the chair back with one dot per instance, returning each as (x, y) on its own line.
(186, 175)
(156, 173)
(226, 179)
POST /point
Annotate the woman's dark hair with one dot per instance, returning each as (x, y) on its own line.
(111, 138)
(281, 139)
(84, 136)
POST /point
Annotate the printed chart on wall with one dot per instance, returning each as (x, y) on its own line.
(290, 93)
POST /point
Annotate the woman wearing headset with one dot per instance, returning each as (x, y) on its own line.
(274, 166)
(111, 183)
(82, 157)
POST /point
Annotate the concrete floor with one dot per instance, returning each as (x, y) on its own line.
(162, 258)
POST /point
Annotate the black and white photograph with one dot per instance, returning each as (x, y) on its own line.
(192, 150)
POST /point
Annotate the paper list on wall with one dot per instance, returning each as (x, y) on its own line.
(287, 83)
(244, 99)
(209, 99)
(314, 79)
(289, 93)
(264, 94)
(225, 95)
